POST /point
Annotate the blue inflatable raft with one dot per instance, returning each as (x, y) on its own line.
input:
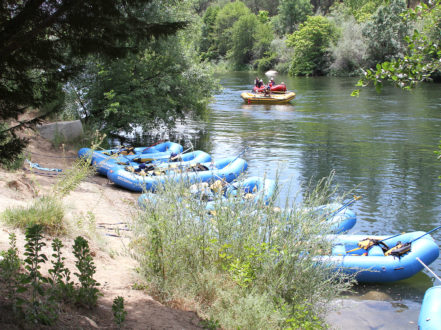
(227, 169)
(341, 219)
(253, 189)
(179, 161)
(430, 313)
(104, 160)
(372, 265)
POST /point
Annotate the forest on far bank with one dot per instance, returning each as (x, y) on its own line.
(312, 37)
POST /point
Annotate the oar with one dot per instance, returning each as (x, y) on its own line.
(240, 154)
(182, 152)
(431, 231)
(345, 205)
(160, 141)
(425, 266)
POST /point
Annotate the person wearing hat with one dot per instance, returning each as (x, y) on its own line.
(271, 83)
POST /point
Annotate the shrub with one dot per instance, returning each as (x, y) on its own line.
(386, 32)
(88, 292)
(247, 265)
(311, 42)
(10, 272)
(119, 314)
(350, 51)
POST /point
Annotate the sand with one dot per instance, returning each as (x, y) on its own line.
(111, 208)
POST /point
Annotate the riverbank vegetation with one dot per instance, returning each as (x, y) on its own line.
(243, 264)
(316, 37)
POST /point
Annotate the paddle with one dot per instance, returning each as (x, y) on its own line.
(160, 141)
(240, 154)
(425, 266)
(345, 205)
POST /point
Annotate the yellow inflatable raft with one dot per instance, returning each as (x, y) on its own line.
(271, 99)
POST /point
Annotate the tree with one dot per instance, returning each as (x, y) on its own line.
(225, 19)
(311, 43)
(207, 46)
(148, 90)
(43, 43)
(290, 14)
(422, 61)
(243, 38)
(386, 32)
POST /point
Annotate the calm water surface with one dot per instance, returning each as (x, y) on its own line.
(381, 146)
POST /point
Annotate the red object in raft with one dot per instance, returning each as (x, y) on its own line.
(275, 89)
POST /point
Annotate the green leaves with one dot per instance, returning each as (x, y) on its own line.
(423, 53)
(311, 42)
(119, 314)
(162, 85)
(88, 292)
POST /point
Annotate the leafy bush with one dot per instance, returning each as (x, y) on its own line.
(267, 62)
(247, 265)
(386, 32)
(311, 42)
(36, 298)
(350, 51)
(119, 314)
(10, 272)
(88, 292)
(284, 55)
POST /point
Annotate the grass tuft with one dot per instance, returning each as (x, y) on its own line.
(45, 211)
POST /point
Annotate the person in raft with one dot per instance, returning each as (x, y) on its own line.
(257, 82)
(267, 90)
(271, 83)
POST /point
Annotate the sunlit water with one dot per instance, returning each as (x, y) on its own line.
(381, 146)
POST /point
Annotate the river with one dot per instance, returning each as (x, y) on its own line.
(381, 147)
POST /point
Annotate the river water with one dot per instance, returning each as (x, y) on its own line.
(381, 147)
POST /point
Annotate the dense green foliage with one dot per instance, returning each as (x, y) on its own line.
(386, 31)
(311, 43)
(36, 299)
(147, 90)
(357, 35)
(45, 44)
(422, 59)
(291, 14)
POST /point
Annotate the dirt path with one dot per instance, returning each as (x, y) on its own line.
(110, 208)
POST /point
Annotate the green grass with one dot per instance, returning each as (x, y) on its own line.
(247, 266)
(46, 211)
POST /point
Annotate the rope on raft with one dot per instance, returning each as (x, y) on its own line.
(51, 174)
(38, 167)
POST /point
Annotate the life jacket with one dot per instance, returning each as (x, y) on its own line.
(399, 250)
(369, 242)
(127, 151)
